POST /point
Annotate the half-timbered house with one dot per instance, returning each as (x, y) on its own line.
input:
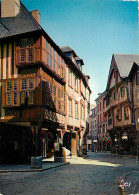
(32, 85)
(34, 89)
(121, 99)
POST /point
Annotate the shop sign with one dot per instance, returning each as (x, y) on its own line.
(89, 141)
(124, 137)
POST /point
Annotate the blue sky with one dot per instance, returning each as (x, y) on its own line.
(95, 29)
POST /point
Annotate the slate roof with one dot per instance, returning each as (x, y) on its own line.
(125, 62)
(67, 49)
(22, 23)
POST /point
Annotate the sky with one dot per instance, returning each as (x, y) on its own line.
(94, 29)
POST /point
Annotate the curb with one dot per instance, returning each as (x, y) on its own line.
(33, 170)
(124, 156)
(86, 156)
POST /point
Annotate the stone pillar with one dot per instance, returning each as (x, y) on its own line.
(58, 153)
(73, 145)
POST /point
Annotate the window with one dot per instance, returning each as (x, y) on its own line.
(30, 42)
(104, 128)
(15, 85)
(30, 97)
(109, 118)
(116, 76)
(23, 97)
(54, 90)
(26, 46)
(9, 85)
(107, 101)
(9, 99)
(54, 64)
(48, 59)
(126, 111)
(76, 83)
(22, 55)
(15, 98)
(69, 77)
(23, 42)
(47, 46)
(51, 62)
(119, 114)
(69, 107)
(137, 78)
(76, 110)
(24, 84)
(30, 54)
(31, 84)
(122, 90)
(115, 95)
(59, 105)
(100, 106)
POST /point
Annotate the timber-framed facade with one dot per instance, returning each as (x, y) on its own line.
(34, 95)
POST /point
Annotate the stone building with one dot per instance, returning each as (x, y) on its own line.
(34, 89)
(103, 135)
(78, 103)
(122, 103)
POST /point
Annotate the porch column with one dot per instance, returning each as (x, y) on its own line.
(73, 145)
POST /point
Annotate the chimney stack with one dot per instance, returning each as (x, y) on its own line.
(36, 15)
(10, 8)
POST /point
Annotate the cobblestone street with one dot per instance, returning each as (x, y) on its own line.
(97, 174)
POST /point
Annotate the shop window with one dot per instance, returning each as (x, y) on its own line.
(126, 112)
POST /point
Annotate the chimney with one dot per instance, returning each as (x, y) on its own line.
(36, 15)
(10, 8)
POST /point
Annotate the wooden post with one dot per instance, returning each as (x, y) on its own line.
(73, 145)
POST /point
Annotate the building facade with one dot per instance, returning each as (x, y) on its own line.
(92, 137)
(103, 136)
(35, 103)
(78, 103)
(121, 103)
